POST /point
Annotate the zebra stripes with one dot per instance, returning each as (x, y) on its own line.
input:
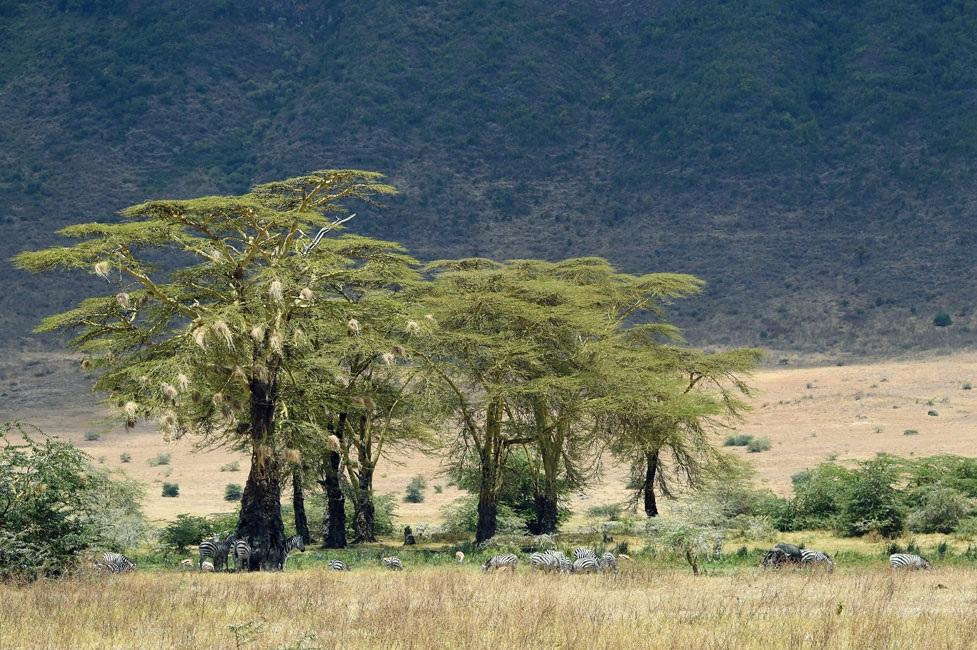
(338, 565)
(506, 562)
(242, 554)
(608, 562)
(216, 550)
(544, 561)
(586, 564)
(115, 563)
(817, 559)
(392, 563)
(582, 552)
(908, 561)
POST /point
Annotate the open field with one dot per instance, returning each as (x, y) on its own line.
(810, 414)
(451, 607)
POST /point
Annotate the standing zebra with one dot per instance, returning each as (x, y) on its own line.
(506, 562)
(216, 550)
(242, 554)
(544, 561)
(338, 565)
(585, 565)
(115, 563)
(295, 543)
(817, 558)
(908, 561)
(392, 563)
(582, 552)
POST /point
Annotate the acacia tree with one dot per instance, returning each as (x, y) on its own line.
(206, 343)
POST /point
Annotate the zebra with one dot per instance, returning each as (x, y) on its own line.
(583, 552)
(242, 554)
(501, 562)
(392, 563)
(216, 550)
(338, 565)
(608, 562)
(115, 563)
(817, 558)
(544, 561)
(585, 565)
(295, 543)
(908, 561)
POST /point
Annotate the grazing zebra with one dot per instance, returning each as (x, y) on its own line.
(608, 562)
(295, 543)
(817, 558)
(908, 561)
(338, 565)
(392, 563)
(582, 552)
(544, 561)
(242, 554)
(116, 563)
(501, 562)
(585, 565)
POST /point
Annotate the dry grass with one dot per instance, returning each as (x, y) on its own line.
(448, 607)
(809, 414)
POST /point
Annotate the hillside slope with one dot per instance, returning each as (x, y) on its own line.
(811, 160)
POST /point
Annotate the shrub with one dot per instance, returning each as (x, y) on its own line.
(693, 531)
(820, 494)
(941, 510)
(461, 518)
(64, 506)
(872, 505)
(92, 436)
(159, 459)
(125, 457)
(967, 386)
(232, 492)
(415, 490)
(231, 467)
(737, 440)
(932, 413)
(910, 432)
(171, 489)
(758, 444)
(942, 319)
(438, 489)
(606, 512)
(186, 531)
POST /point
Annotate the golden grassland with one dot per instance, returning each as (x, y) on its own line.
(810, 414)
(459, 607)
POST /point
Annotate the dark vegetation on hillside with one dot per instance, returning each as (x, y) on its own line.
(811, 160)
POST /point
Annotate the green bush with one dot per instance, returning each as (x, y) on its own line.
(873, 502)
(820, 494)
(171, 489)
(232, 492)
(942, 319)
(57, 506)
(415, 490)
(125, 457)
(186, 531)
(92, 436)
(233, 466)
(606, 512)
(384, 509)
(941, 510)
(737, 440)
(758, 444)
(910, 432)
(159, 459)
(461, 518)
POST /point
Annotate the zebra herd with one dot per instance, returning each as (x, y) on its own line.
(216, 553)
(787, 554)
(585, 560)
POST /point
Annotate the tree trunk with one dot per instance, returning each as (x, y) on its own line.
(364, 515)
(651, 469)
(298, 506)
(546, 506)
(488, 506)
(260, 521)
(334, 513)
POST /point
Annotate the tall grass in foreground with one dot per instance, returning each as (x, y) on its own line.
(441, 607)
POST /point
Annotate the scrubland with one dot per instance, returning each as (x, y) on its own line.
(460, 607)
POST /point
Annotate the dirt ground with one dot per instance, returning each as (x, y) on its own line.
(810, 414)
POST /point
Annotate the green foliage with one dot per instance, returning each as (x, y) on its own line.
(738, 440)
(92, 436)
(606, 512)
(162, 458)
(873, 502)
(233, 466)
(171, 489)
(461, 517)
(384, 512)
(757, 445)
(232, 492)
(942, 319)
(693, 530)
(186, 532)
(58, 506)
(940, 510)
(415, 490)
(820, 494)
(125, 457)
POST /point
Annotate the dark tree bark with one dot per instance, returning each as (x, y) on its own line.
(334, 516)
(547, 509)
(488, 503)
(364, 511)
(298, 506)
(260, 521)
(651, 470)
